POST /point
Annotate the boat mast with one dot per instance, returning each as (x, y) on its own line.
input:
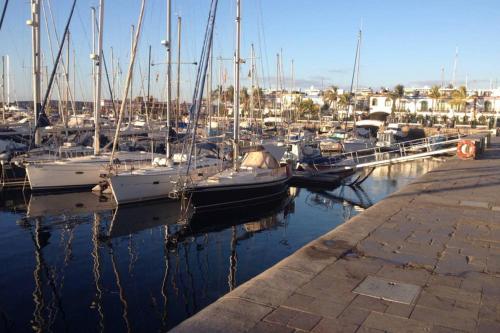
(132, 27)
(252, 77)
(236, 102)
(35, 43)
(168, 44)
(178, 111)
(209, 92)
(99, 59)
(358, 57)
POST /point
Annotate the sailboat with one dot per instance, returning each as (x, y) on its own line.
(83, 171)
(360, 138)
(260, 175)
(161, 179)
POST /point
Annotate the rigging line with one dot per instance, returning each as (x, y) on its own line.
(49, 85)
(200, 82)
(3, 13)
(84, 28)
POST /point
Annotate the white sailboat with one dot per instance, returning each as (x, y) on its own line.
(162, 178)
(84, 171)
(260, 175)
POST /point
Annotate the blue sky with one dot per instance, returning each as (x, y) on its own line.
(404, 42)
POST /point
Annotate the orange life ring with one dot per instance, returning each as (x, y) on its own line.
(466, 149)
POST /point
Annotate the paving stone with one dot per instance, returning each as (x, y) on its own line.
(454, 293)
(437, 302)
(298, 301)
(329, 325)
(264, 327)
(370, 303)
(406, 275)
(281, 315)
(390, 323)
(443, 329)
(399, 309)
(354, 315)
(445, 280)
(326, 307)
(444, 318)
(304, 321)
(487, 326)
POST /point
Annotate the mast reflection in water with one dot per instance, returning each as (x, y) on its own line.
(74, 262)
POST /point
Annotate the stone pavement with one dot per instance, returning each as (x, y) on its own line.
(440, 233)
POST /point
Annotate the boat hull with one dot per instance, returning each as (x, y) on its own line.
(136, 188)
(143, 187)
(212, 198)
(54, 176)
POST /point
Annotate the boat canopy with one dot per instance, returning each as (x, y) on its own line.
(260, 159)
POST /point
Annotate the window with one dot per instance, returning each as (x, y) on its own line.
(487, 106)
(388, 102)
(424, 106)
(374, 102)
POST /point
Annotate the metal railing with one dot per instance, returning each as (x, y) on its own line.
(385, 155)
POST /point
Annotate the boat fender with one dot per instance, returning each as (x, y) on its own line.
(288, 170)
(466, 149)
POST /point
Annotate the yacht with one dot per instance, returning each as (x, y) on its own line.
(160, 179)
(260, 177)
(79, 172)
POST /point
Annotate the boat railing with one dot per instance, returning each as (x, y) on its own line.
(401, 149)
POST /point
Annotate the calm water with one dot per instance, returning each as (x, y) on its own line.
(72, 262)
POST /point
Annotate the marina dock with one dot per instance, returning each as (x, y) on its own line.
(425, 259)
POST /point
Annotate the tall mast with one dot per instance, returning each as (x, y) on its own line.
(7, 82)
(35, 43)
(209, 91)
(219, 95)
(99, 60)
(178, 111)
(252, 77)
(65, 118)
(4, 104)
(168, 44)
(236, 103)
(92, 56)
(358, 56)
(132, 28)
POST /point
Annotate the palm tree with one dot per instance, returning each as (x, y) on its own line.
(229, 93)
(435, 94)
(330, 96)
(399, 92)
(459, 98)
(344, 100)
(245, 100)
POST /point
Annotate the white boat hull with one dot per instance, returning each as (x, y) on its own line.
(157, 184)
(79, 172)
(54, 176)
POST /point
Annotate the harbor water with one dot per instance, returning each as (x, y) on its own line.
(74, 262)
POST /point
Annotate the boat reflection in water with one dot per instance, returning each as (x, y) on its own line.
(106, 264)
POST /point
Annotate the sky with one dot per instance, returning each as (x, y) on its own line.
(407, 42)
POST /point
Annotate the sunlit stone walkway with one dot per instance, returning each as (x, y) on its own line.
(431, 253)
